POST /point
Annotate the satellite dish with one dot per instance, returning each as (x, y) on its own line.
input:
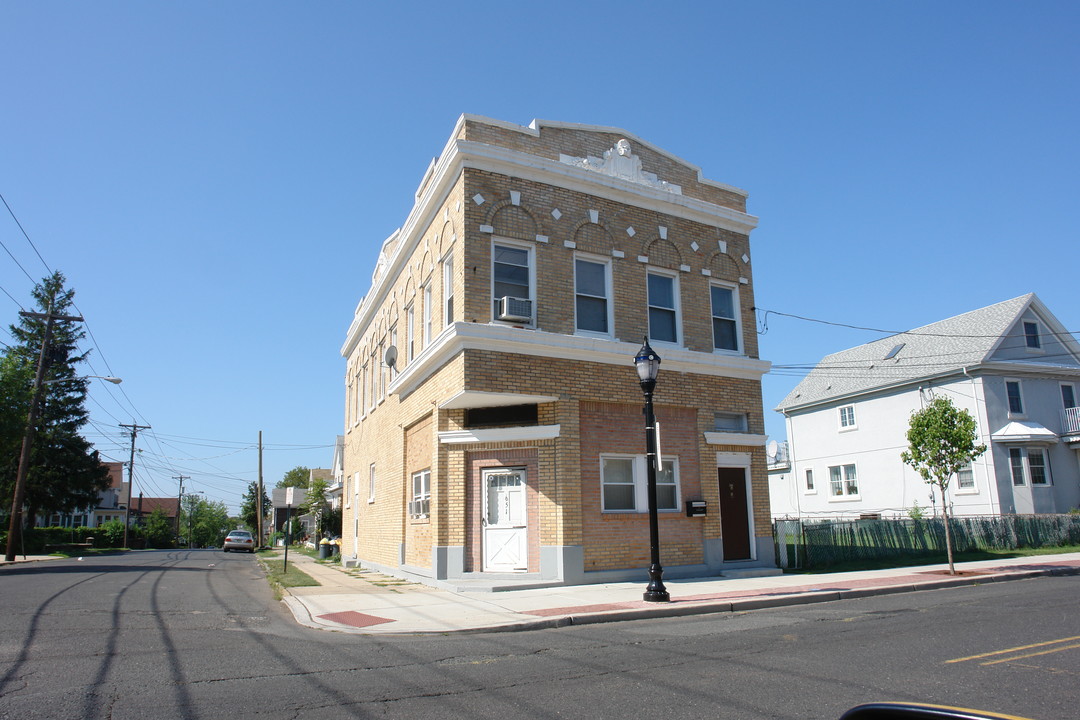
(771, 448)
(390, 357)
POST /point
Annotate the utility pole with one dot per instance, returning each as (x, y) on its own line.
(179, 499)
(131, 472)
(258, 500)
(14, 538)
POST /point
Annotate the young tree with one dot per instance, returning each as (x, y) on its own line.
(249, 508)
(942, 439)
(316, 503)
(64, 472)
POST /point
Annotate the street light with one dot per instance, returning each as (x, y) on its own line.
(648, 367)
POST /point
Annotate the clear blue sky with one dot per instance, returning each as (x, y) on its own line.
(215, 178)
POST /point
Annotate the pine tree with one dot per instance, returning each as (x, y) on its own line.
(65, 472)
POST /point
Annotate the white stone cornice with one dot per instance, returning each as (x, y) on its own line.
(491, 435)
(507, 339)
(742, 439)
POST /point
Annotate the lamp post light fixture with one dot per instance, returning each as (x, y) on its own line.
(648, 367)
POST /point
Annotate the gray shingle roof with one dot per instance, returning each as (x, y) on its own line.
(936, 349)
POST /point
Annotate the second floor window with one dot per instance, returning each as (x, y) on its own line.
(663, 310)
(510, 272)
(965, 478)
(847, 417)
(425, 328)
(725, 329)
(591, 296)
(1016, 402)
(448, 290)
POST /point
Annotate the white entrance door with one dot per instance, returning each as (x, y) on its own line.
(505, 531)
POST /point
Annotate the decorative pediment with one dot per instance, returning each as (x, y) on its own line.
(621, 162)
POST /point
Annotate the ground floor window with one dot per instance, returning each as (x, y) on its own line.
(843, 481)
(624, 483)
(1028, 464)
(420, 506)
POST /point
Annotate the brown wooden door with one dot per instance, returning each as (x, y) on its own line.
(734, 513)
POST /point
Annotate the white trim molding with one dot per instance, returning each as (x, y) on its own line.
(492, 435)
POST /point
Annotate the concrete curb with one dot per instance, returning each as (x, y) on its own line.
(702, 607)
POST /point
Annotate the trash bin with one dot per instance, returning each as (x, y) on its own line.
(324, 549)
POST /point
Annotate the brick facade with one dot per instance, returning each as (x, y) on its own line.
(521, 188)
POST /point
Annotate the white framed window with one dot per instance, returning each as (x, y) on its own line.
(592, 293)
(663, 289)
(1037, 469)
(624, 484)
(1015, 397)
(725, 317)
(420, 505)
(425, 327)
(1031, 336)
(382, 369)
(371, 483)
(1016, 466)
(369, 382)
(965, 479)
(350, 483)
(1029, 465)
(448, 289)
(1068, 396)
(359, 399)
(810, 481)
(410, 331)
(513, 275)
(847, 417)
(843, 482)
(393, 344)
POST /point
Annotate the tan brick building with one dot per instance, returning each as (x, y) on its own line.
(493, 419)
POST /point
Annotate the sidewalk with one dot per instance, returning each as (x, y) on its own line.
(366, 602)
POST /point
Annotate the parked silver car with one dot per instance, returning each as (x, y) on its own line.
(239, 540)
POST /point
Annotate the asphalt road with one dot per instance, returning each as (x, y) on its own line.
(197, 634)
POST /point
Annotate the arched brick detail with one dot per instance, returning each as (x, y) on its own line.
(410, 290)
(425, 268)
(446, 237)
(663, 253)
(723, 267)
(593, 237)
(513, 221)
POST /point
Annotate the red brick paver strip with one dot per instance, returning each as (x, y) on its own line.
(354, 619)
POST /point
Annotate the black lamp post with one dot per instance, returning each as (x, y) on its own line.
(648, 366)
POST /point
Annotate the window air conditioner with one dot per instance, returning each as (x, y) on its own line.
(517, 309)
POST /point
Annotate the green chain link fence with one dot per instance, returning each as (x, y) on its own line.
(806, 544)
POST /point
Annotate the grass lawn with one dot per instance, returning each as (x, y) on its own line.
(936, 559)
(273, 561)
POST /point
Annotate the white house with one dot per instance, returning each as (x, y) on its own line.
(1012, 365)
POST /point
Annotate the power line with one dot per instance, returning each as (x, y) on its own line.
(12, 213)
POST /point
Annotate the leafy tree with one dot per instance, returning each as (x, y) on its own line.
(205, 522)
(158, 529)
(942, 439)
(316, 503)
(110, 534)
(298, 477)
(64, 472)
(249, 508)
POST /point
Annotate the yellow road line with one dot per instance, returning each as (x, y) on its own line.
(1012, 650)
(1021, 657)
